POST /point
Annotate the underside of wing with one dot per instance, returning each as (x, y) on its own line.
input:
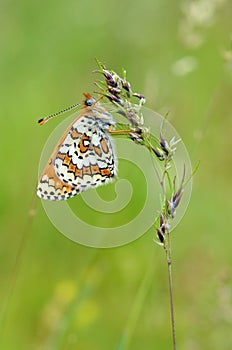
(50, 187)
(86, 158)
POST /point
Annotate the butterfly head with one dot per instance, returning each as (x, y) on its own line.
(89, 100)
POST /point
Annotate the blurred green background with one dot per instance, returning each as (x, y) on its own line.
(56, 294)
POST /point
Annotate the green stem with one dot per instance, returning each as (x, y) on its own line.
(169, 262)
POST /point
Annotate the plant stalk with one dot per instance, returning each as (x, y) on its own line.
(169, 262)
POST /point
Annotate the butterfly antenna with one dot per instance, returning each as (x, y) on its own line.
(45, 119)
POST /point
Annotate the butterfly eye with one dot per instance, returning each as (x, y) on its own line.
(89, 102)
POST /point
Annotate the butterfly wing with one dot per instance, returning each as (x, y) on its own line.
(50, 187)
(84, 158)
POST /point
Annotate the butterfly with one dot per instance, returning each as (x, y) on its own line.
(84, 157)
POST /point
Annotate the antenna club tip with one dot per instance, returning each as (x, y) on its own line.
(41, 121)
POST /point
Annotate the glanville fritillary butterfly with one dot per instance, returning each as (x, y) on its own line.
(84, 156)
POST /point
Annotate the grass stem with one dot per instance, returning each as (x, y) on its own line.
(169, 263)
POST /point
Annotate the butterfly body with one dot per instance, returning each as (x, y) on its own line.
(84, 157)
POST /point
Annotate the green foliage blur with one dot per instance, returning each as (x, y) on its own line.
(56, 294)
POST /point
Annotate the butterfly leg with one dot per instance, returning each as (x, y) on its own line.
(119, 132)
